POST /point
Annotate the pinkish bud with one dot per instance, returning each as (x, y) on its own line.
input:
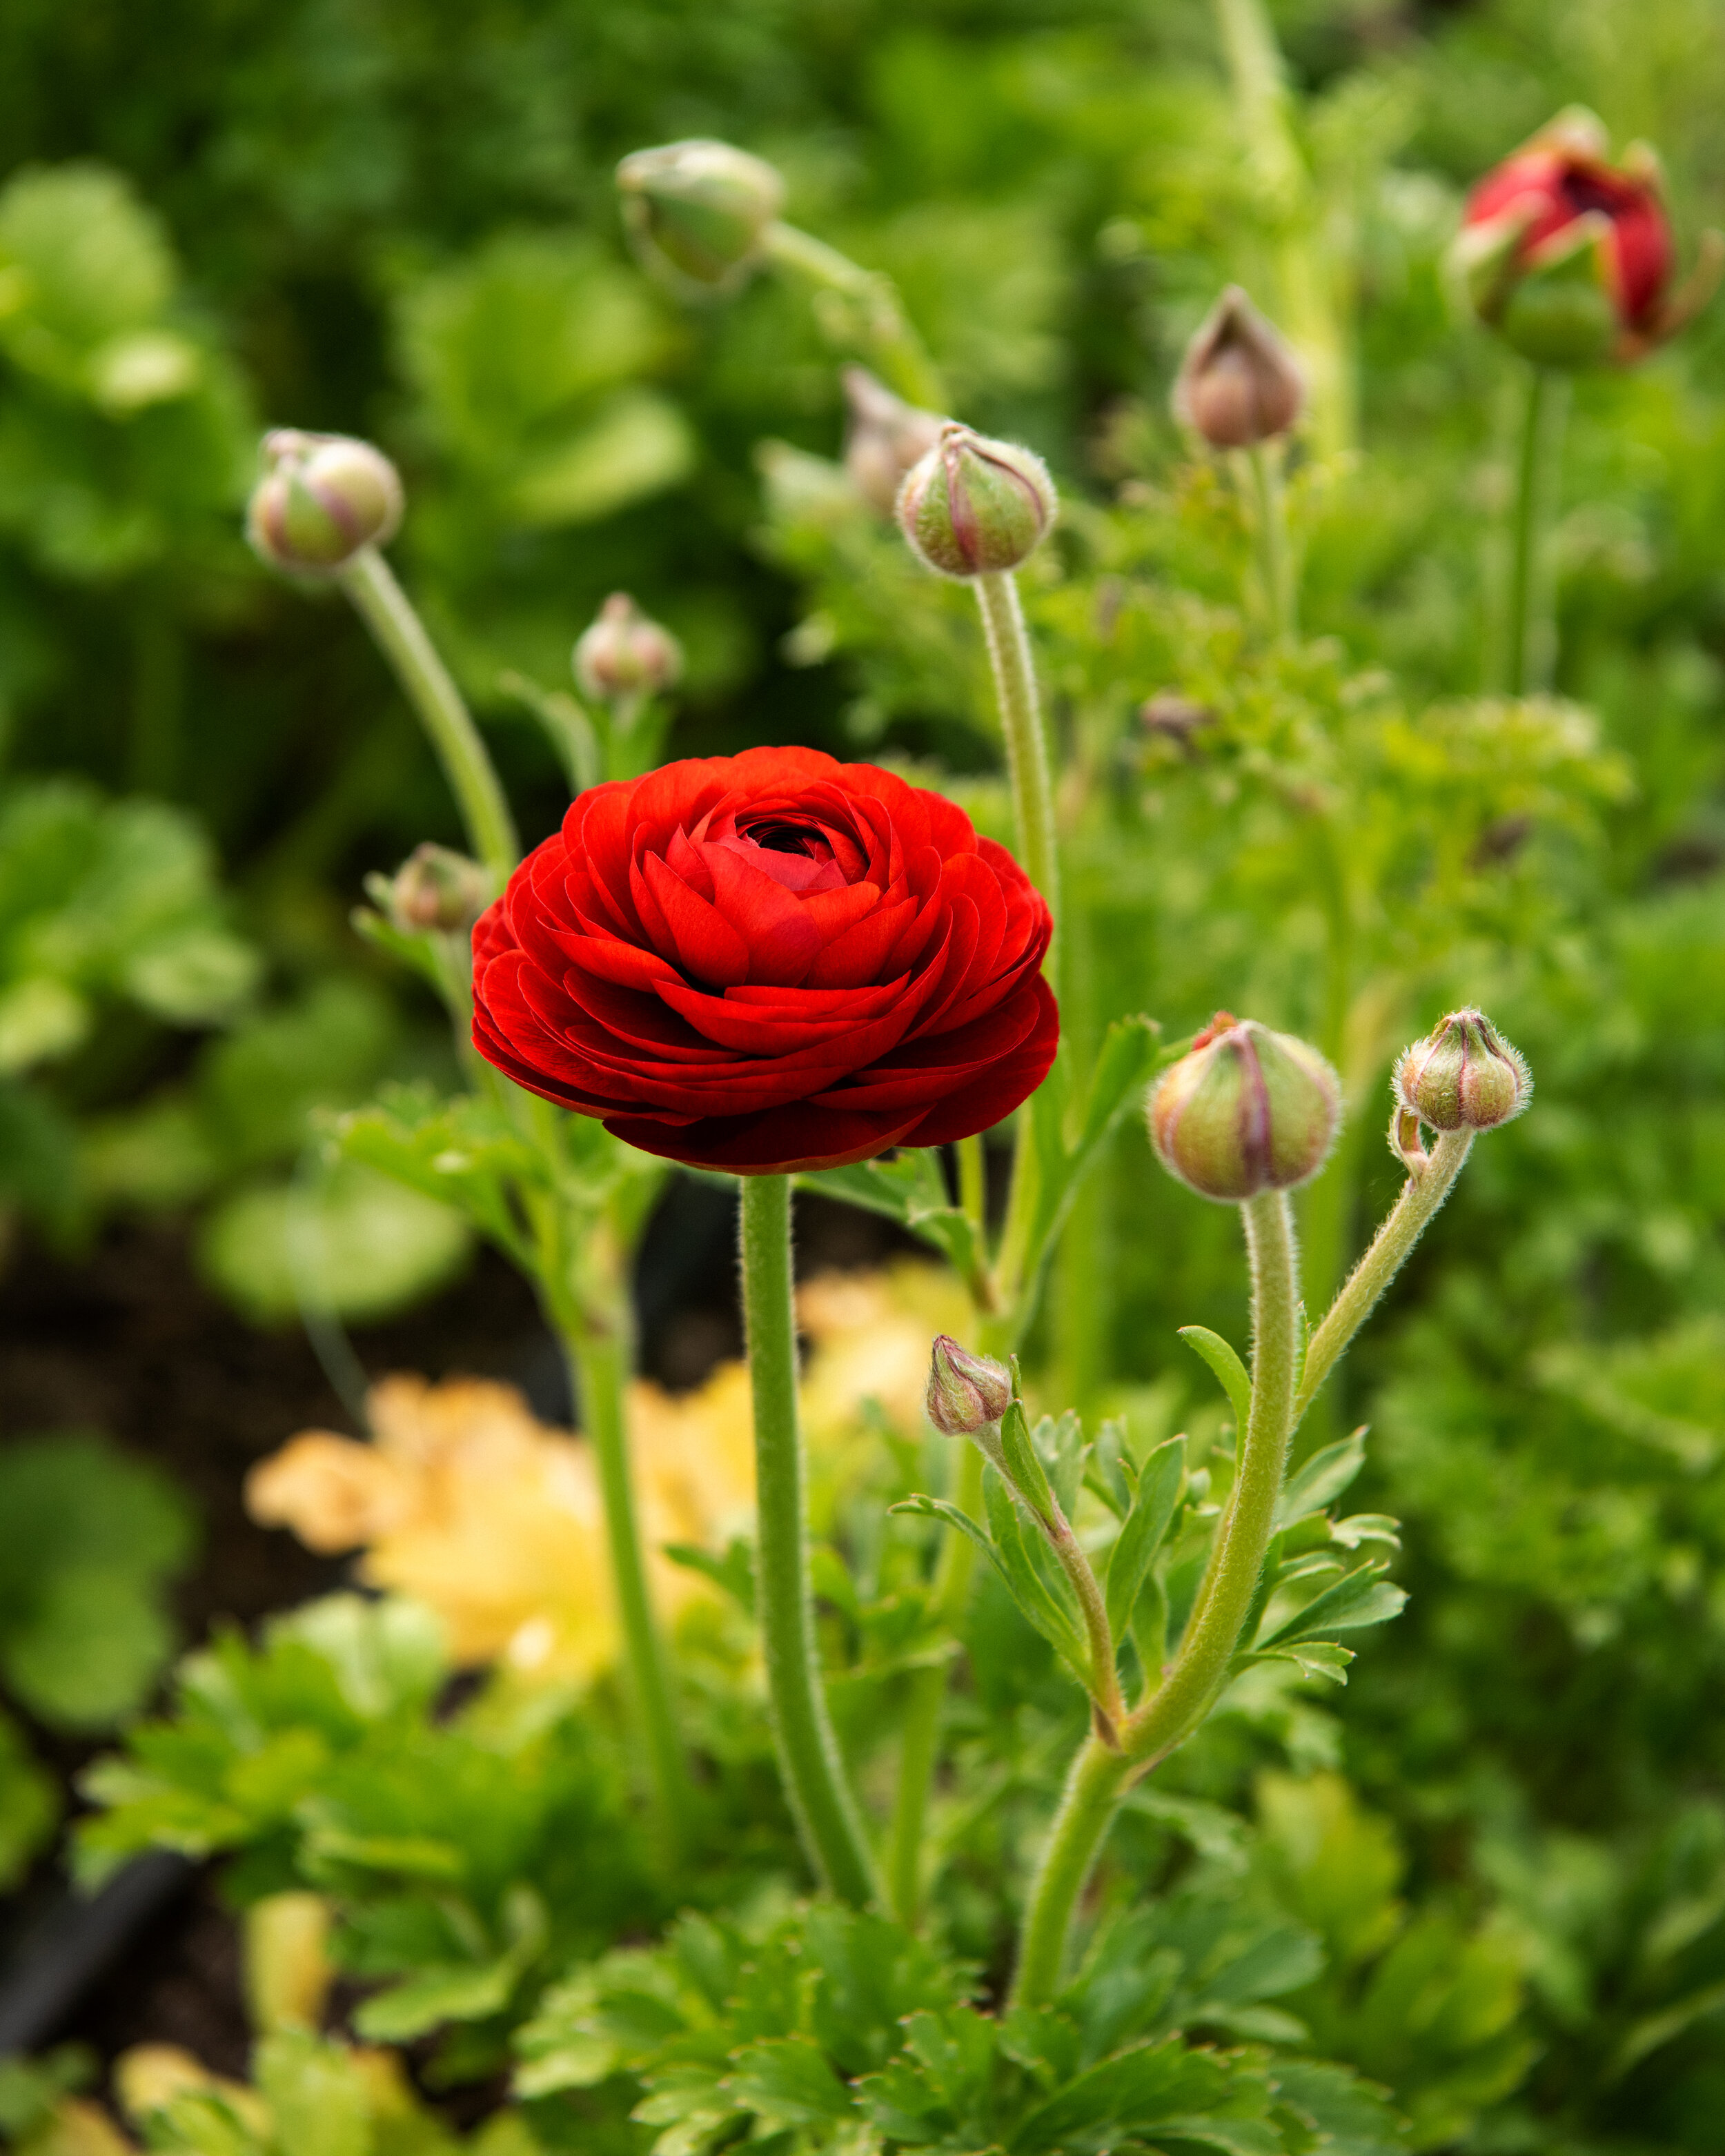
(322, 500)
(972, 507)
(1464, 1075)
(625, 654)
(966, 1392)
(1238, 383)
(436, 891)
(1247, 1110)
(886, 439)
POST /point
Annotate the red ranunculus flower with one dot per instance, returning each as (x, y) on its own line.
(769, 961)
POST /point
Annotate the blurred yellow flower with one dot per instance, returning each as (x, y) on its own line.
(463, 1499)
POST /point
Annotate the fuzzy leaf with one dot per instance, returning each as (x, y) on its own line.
(1230, 1372)
(1159, 1487)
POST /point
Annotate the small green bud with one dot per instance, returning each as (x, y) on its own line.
(972, 505)
(1246, 1111)
(625, 654)
(1239, 383)
(698, 211)
(1464, 1075)
(436, 891)
(966, 1392)
(886, 438)
(322, 500)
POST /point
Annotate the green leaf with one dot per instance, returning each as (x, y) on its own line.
(1057, 1620)
(1159, 1486)
(1129, 2094)
(1230, 1372)
(1362, 1597)
(1322, 1479)
(1317, 1658)
(1124, 1062)
(734, 1571)
(1024, 1464)
(787, 2082)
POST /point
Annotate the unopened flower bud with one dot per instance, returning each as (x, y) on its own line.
(625, 654)
(973, 505)
(322, 498)
(436, 890)
(698, 210)
(1464, 1075)
(886, 439)
(1247, 1110)
(966, 1392)
(1238, 383)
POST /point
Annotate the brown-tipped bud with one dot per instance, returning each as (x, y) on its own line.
(698, 211)
(1464, 1075)
(322, 499)
(1238, 383)
(886, 439)
(973, 505)
(966, 1392)
(1247, 1110)
(625, 654)
(437, 890)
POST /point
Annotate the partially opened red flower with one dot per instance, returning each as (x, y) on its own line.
(769, 961)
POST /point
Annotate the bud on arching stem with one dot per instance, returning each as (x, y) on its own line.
(699, 211)
(1240, 383)
(322, 498)
(966, 1392)
(1464, 1075)
(972, 507)
(1247, 1110)
(625, 654)
(886, 438)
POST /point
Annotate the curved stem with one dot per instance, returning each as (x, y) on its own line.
(893, 343)
(388, 614)
(1213, 1631)
(1527, 632)
(997, 594)
(1424, 1190)
(826, 1813)
(1086, 1810)
(599, 1360)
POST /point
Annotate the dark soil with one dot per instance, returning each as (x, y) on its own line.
(128, 1341)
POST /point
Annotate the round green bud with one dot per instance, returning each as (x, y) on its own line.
(1238, 383)
(322, 498)
(1247, 1110)
(625, 654)
(697, 212)
(1464, 1075)
(436, 891)
(966, 1392)
(972, 505)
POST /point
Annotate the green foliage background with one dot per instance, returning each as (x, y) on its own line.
(398, 219)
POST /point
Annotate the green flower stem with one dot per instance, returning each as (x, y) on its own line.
(1093, 1789)
(1424, 1190)
(1539, 453)
(893, 344)
(997, 594)
(918, 1743)
(813, 1774)
(974, 1182)
(599, 1363)
(388, 614)
(1276, 552)
(1200, 1669)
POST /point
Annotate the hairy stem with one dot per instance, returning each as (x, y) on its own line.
(825, 1811)
(997, 594)
(893, 343)
(1188, 1691)
(598, 1359)
(1424, 1190)
(388, 614)
(1276, 552)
